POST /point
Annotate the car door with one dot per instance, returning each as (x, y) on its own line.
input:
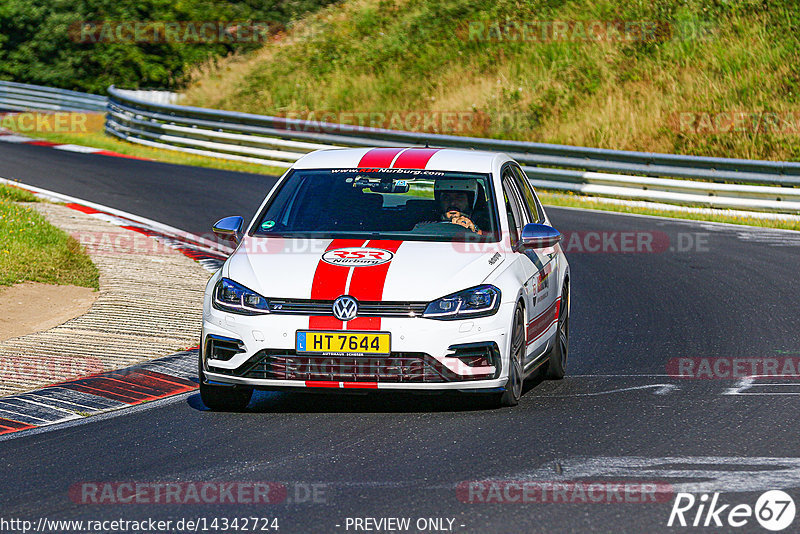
(518, 215)
(543, 295)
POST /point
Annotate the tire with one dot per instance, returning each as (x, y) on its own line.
(557, 364)
(223, 398)
(513, 392)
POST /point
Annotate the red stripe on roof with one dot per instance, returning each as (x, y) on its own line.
(414, 158)
(379, 157)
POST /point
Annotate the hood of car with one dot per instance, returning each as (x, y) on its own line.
(367, 270)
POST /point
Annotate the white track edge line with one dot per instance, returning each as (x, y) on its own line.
(113, 211)
(743, 227)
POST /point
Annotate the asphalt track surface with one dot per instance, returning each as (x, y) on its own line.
(618, 416)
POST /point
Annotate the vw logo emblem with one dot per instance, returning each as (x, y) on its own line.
(345, 308)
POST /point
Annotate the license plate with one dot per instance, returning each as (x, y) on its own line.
(319, 342)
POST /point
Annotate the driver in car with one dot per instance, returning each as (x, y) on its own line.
(457, 199)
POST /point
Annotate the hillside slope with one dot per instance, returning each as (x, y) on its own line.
(716, 77)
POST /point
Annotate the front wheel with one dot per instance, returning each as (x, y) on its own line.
(513, 392)
(556, 367)
(223, 398)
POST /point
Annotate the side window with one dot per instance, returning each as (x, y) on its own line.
(530, 198)
(514, 207)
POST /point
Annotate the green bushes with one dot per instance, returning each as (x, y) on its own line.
(40, 40)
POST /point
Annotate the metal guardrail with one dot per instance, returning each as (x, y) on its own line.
(278, 142)
(25, 97)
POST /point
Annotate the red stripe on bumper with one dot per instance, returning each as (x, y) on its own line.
(322, 322)
(321, 384)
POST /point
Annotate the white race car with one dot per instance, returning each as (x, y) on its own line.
(411, 269)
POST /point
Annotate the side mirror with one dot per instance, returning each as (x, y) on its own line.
(229, 228)
(539, 236)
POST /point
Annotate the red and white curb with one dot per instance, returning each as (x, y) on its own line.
(112, 390)
(8, 136)
(210, 254)
(99, 393)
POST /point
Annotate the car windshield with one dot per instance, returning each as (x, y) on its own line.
(382, 203)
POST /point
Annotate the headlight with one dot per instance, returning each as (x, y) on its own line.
(475, 302)
(235, 298)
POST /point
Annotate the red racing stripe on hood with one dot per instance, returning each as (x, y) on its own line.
(379, 157)
(367, 284)
(414, 158)
(329, 282)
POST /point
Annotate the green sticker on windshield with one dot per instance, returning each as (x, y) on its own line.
(266, 225)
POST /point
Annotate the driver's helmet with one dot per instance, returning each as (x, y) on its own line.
(469, 186)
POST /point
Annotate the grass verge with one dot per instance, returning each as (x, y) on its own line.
(592, 203)
(31, 249)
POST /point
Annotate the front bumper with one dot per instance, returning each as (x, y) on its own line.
(426, 354)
